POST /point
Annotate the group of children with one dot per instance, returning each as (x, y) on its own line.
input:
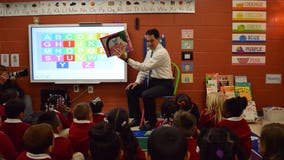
(218, 133)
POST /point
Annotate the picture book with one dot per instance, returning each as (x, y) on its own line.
(211, 80)
(228, 91)
(250, 112)
(226, 80)
(243, 90)
(240, 79)
(116, 41)
(211, 86)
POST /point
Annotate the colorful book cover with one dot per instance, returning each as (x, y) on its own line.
(226, 80)
(116, 41)
(243, 90)
(211, 80)
(250, 112)
(241, 79)
(228, 91)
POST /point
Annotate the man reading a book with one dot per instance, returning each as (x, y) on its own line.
(154, 80)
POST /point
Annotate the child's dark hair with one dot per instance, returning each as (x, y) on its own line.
(184, 102)
(168, 109)
(234, 107)
(167, 143)
(118, 119)
(105, 144)
(219, 144)
(271, 141)
(14, 107)
(96, 105)
(50, 118)
(185, 122)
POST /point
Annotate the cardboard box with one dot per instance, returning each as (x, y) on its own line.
(273, 114)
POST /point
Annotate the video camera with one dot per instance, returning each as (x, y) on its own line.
(20, 73)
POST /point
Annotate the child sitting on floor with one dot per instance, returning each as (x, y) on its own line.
(97, 106)
(38, 142)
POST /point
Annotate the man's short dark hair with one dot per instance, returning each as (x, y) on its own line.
(167, 143)
(154, 32)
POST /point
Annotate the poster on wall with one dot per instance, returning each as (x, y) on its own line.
(5, 60)
(248, 49)
(248, 60)
(15, 60)
(187, 67)
(247, 37)
(249, 27)
(187, 33)
(186, 78)
(249, 5)
(249, 15)
(96, 6)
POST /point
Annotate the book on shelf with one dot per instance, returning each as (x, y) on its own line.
(116, 41)
(250, 112)
(228, 91)
(243, 90)
(240, 79)
(211, 80)
(226, 80)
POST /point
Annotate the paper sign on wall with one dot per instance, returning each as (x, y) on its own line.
(273, 78)
(248, 60)
(249, 27)
(249, 15)
(244, 49)
(249, 37)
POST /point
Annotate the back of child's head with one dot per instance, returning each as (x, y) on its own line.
(50, 118)
(168, 108)
(8, 93)
(214, 103)
(184, 101)
(96, 105)
(217, 144)
(185, 122)
(271, 141)
(118, 118)
(234, 107)
(105, 144)
(167, 143)
(38, 139)
(82, 111)
(14, 107)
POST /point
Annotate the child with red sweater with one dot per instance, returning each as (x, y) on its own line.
(7, 149)
(185, 122)
(13, 126)
(62, 146)
(38, 142)
(118, 120)
(97, 106)
(78, 133)
(233, 108)
(212, 114)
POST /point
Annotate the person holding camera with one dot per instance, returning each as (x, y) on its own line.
(8, 81)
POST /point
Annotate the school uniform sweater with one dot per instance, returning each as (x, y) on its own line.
(79, 136)
(7, 149)
(15, 129)
(241, 128)
(62, 148)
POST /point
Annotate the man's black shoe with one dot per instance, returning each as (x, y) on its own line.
(147, 127)
(134, 122)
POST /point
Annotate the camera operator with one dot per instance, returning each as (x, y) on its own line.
(8, 81)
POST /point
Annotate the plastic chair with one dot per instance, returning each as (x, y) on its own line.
(176, 75)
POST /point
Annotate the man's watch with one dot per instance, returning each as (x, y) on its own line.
(126, 60)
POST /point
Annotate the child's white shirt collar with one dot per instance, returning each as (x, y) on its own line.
(38, 156)
(13, 120)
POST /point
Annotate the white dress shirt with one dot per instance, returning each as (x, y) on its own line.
(159, 63)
